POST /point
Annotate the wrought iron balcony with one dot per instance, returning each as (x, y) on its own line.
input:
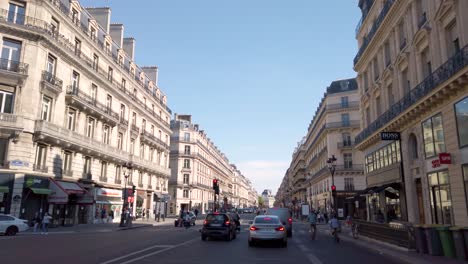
(367, 39)
(123, 122)
(347, 105)
(40, 168)
(86, 103)
(55, 134)
(350, 167)
(151, 140)
(439, 76)
(51, 82)
(146, 165)
(341, 124)
(14, 66)
(345, 145)
(368, 4)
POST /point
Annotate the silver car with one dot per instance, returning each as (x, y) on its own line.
(267, 228)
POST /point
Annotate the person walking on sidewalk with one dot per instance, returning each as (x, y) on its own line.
(45, 223)
(37, 222)
(312, 218)
(103, 215)
(111, 216)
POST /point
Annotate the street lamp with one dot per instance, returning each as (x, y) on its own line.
(127, 169)
(331, 162)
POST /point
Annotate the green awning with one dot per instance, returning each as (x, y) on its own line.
(4, 189)
(41, 191)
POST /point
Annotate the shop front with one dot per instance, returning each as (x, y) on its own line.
(34, 196)
(6, 190)
(63, 202)
(109, 205)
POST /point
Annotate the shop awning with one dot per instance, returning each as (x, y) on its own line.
(4, 189)
(383, 187)
(70, 187)
(41, 191)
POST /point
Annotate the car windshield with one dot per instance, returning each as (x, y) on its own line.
(266, 220)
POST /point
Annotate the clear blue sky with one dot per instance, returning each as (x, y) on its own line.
(250, 72)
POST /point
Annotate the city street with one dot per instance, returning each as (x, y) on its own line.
(168, 244)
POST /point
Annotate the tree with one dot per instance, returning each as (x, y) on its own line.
(260, 201)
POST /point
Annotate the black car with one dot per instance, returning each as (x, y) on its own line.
(218, 225)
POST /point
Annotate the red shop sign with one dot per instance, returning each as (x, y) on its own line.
(435, 163)
(445, 158)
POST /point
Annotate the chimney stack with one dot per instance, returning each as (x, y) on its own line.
(102, 16)
(117, 33)
(152, 73)
(129, 47)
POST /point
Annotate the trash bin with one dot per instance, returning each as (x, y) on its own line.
(465, 235)
(459, 242)
(420, 237)
(434, 247)
(447, 241)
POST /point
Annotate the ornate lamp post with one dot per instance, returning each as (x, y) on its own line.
(127, 169)
(331, 162)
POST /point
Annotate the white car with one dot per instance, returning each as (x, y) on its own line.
(267, 228)
(10, 225)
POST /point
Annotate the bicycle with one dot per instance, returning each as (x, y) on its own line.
(336, 238)
(313, 231)
(355, 230)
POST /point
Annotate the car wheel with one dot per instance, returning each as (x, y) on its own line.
(289, 233)
(251, 244)
(203, 237)
(11, 231)
(234, 236)
(284, 243)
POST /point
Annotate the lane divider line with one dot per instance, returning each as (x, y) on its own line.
(165, 248)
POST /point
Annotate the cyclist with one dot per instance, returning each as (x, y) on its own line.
(335, 225)
(313, 223)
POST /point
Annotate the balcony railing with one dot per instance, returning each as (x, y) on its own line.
(45, 28)
(349, 167)
(345, 144)
(152, 140)
(86, 102)
(440, 75)
(40, 168)
(135, 129)
(343, 105)
(368, 4)
(351, 123)
(367, 39)
(14, 66)
(11, 121)
(50, 79)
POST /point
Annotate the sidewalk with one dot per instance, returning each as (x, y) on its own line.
(101, 227)
(402, 254)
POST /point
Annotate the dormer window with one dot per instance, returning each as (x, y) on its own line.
(93, 33)
(120, 60)
(108, 49)
(75, 16)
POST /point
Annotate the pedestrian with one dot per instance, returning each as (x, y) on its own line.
(161, 214)
(181, 217)
(111, 216)
(147, 214)
(144, 214)
(312, 218)
(45, 223)
(103, 214)
(187, 220)
(196, 212)
(37, 222)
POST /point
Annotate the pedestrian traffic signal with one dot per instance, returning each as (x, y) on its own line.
(134, 189)
(216, 186)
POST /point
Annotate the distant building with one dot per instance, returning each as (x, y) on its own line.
(268, 198)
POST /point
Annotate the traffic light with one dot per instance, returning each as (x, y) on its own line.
(216, 186)
(333, 188)
(133, 189)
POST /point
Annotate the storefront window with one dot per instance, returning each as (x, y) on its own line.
(441, 203)
(392, 201)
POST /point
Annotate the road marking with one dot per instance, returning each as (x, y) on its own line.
(165, 248)
(310, 256)
(313, 259)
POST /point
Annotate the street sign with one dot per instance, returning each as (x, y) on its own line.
(445, 158)
(390, 135)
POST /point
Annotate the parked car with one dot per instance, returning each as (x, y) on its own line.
(284, 216)
(218, 225)
(267, 228)
(10, 225)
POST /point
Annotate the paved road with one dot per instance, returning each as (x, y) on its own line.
(167, 244)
